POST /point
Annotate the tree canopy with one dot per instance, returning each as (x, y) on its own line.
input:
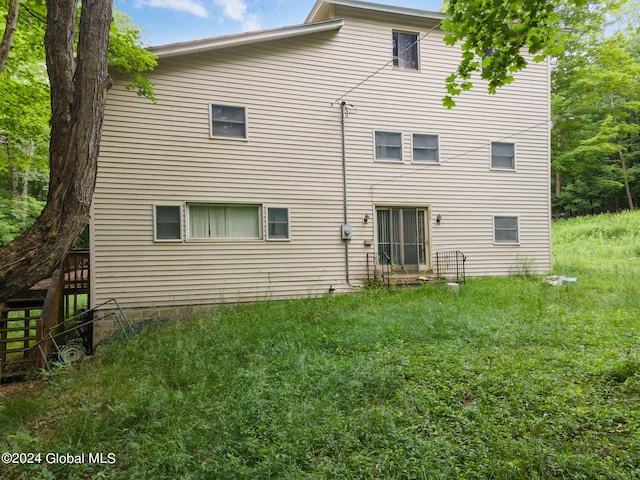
(52, 95)
(493, 36)
(595, 112)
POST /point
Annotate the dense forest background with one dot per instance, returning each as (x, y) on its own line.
(595, 102)
(595, 158)
(25, 110)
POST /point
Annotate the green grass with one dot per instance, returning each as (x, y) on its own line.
(510, 378)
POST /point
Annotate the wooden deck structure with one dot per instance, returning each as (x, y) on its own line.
(21, 324)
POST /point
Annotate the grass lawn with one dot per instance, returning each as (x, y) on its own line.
(510, 378)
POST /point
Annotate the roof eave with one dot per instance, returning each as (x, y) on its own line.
(216, 43)
(413, 12)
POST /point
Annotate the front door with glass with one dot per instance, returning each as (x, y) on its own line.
(402, 238)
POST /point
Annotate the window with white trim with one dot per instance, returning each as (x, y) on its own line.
(503, 155)
(388, 146)
(405, 50)
(506, 230)
(277, 223)
(167, 220)
(228, 121)
(224, 221)
(425, 148)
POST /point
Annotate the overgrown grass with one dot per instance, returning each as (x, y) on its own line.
(510, 378)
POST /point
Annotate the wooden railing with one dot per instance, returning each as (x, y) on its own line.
(21, 326)
(76, 289)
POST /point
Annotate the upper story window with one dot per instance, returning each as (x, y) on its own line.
(425, 148)
(405, 50)
(503, 155)
(388, 146)
(228, 122)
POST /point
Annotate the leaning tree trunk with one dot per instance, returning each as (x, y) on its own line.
(6, 44)
(79, 82)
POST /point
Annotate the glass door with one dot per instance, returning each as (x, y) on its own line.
(402, 238)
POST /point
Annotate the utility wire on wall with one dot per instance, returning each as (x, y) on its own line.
(507, 137)
(339, 99)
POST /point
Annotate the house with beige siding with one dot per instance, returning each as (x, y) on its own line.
(301, 160)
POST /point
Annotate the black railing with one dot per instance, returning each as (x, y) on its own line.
(384, 271)
(450, 265)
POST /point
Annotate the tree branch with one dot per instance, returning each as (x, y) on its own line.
(78, 97)
(7, 39)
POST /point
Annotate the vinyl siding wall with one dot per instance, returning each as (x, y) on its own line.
(162, 155)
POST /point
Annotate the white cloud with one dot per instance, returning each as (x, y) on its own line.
(237, 10)
(190, 6)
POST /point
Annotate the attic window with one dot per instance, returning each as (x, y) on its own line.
(228, 121)
(405, 51)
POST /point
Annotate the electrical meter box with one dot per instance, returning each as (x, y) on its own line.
(346, 231)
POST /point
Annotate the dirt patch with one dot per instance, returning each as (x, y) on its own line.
(12, 388)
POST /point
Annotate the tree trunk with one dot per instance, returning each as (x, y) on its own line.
(79, 83)
(558, 176)
(10, 27)
(623, 163)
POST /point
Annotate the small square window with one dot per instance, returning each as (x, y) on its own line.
(505, 230)
(167, 223)
(388, 146)
(228, 122)
(425, 148)
(405, 50)
(277, 223)
(503, 155)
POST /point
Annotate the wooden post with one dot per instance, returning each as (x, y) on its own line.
(50, 312)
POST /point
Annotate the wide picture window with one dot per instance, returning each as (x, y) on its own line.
(224, 221)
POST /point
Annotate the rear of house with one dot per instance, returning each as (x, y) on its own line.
(299, 160)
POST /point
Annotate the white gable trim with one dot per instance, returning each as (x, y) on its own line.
(226, 41)
(413, 12)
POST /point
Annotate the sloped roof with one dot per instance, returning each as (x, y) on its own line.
(215, 43)
(320, 19)
(322, 10)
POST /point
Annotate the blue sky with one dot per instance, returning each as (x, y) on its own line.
(169, 21)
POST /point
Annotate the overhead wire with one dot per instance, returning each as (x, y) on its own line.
(358, 85)
(340, 100)
(507, 137)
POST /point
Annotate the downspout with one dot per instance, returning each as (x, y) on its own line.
(343, 114)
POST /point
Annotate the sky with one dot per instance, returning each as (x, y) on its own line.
(170, 21)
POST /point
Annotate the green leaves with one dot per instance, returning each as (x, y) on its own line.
(25, 109)
(596, 105)
(127, 57)
(508, 29)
